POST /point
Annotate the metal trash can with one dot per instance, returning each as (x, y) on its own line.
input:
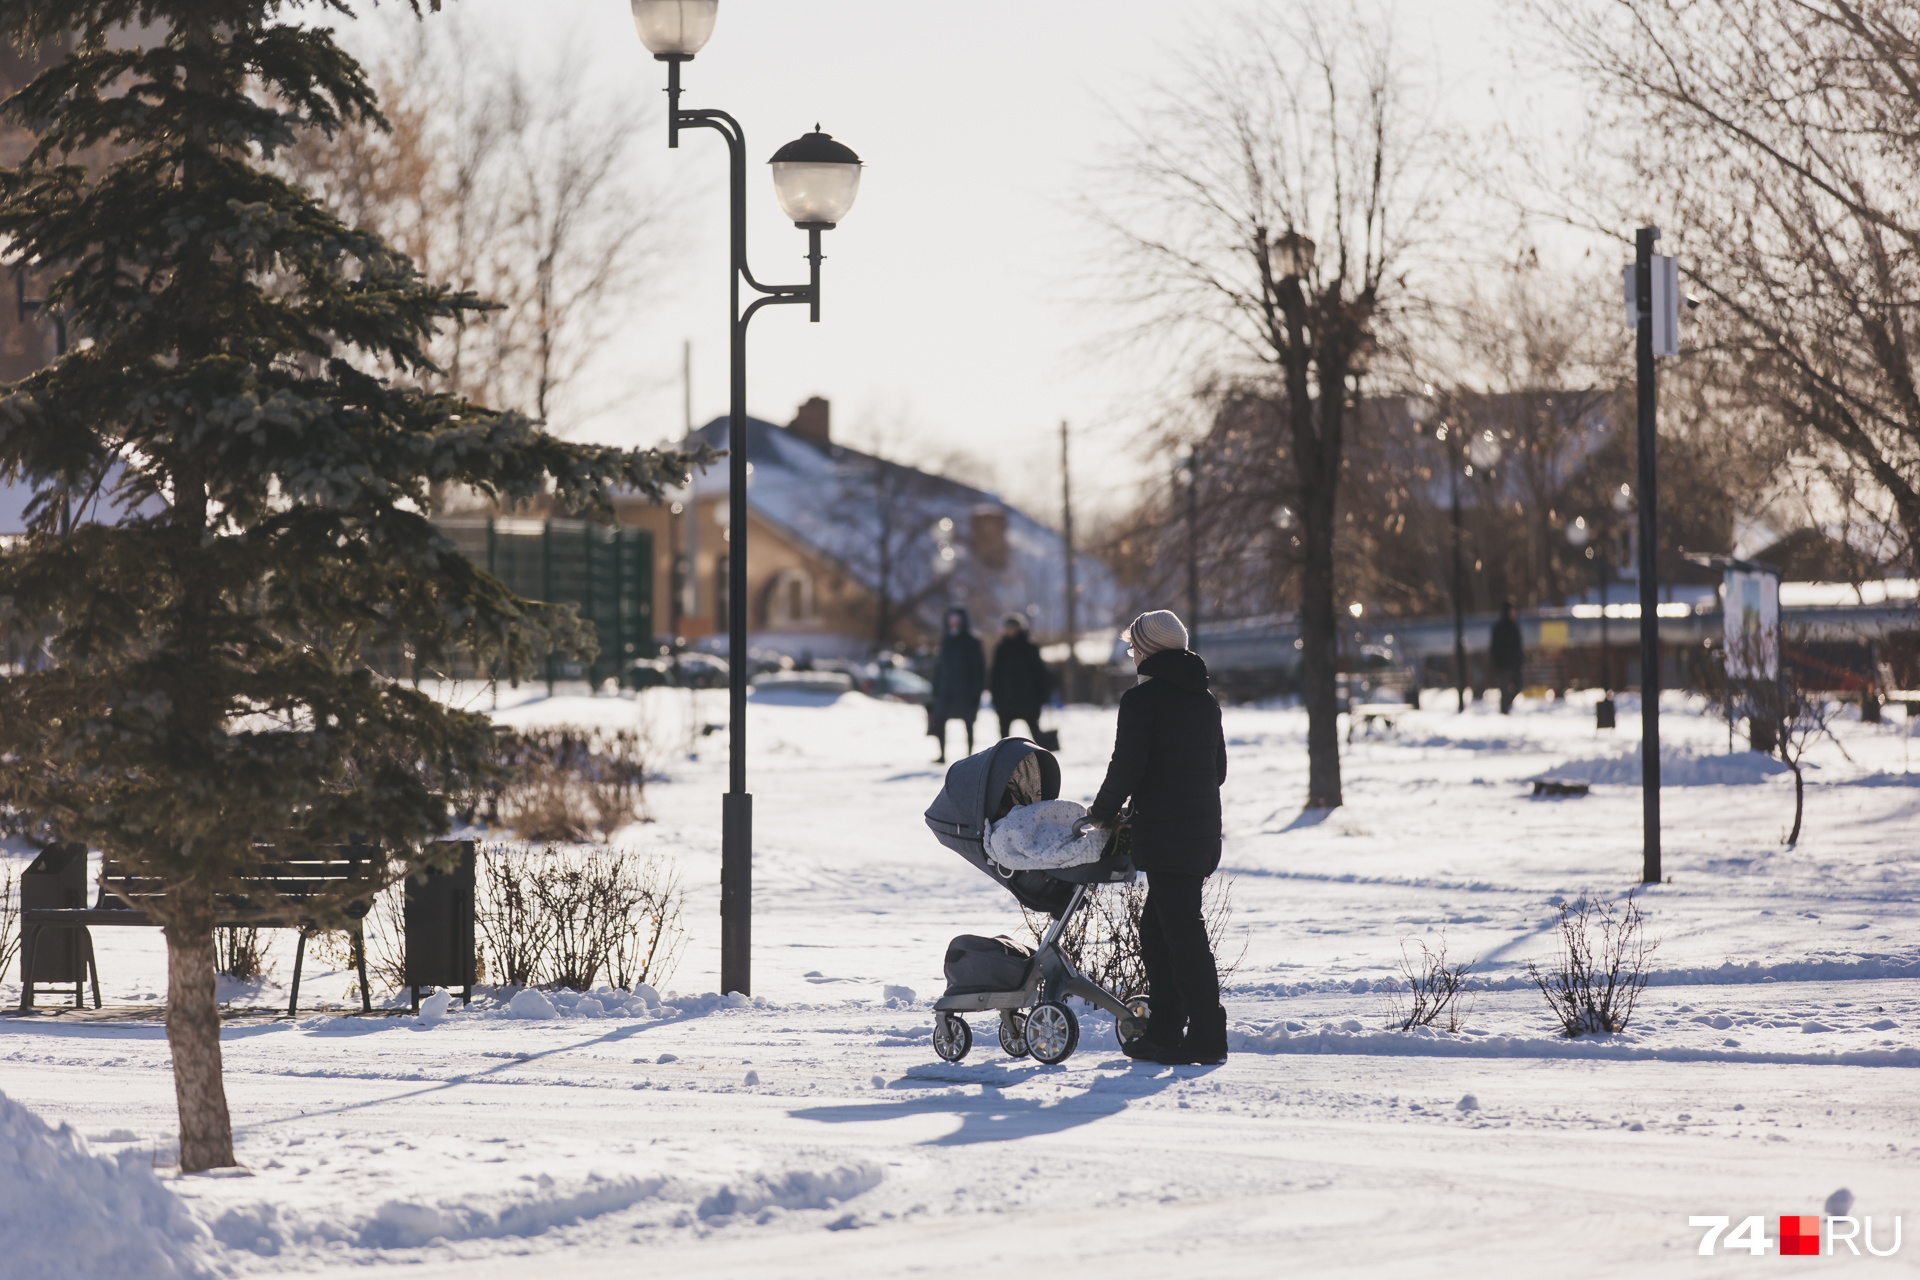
(439, 918)
(58, 954)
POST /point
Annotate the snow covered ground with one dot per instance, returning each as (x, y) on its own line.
(811, 1131)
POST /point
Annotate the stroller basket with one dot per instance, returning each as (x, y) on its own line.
(1028, 990)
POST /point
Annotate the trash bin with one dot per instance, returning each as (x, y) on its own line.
(58, 954)
(439, 925)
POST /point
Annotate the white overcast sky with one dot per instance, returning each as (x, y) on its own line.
(949, 319)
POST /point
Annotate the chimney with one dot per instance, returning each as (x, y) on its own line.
(810, 423)
(987, 535)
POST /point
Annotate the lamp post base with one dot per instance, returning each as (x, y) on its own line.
(736, 893)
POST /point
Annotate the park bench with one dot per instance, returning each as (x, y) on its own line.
(1365, 713)
(294, 880)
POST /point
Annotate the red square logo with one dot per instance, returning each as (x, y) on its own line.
(1800, 1235)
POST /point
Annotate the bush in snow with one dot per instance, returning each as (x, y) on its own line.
(566, 917)
(1595, 982)
(568, 783)
(1103, 941)
(239, 953)
(1429, 989)
(9, 918)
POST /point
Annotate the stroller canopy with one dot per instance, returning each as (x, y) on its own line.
(978, 787)
(985, 786)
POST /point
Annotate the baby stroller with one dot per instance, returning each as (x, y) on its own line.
(1028, 987)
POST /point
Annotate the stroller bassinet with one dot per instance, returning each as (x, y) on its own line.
(1034, 1017)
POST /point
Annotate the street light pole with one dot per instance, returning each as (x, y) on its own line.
(815, 180)
(1649, 561)
(1191, 467)
(1459, 618)
(1071, 673)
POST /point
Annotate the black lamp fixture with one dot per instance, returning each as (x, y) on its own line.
(815, 180)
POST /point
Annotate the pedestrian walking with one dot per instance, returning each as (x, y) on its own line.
(1019, 683)
(1170, 758)
(1508, 657)
(959, 677)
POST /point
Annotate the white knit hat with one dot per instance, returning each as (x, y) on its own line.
(1156, 630)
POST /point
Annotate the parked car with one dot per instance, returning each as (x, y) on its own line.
(648, 673)
(889, 676)
(798, 681)
(702, 671)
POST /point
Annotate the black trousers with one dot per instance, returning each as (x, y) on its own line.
(942, 735)
(1010, 718)
(1177, 956)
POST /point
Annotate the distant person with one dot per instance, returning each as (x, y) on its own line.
(1019, 683)
(959, 677)
(1170, 757)
(1508, 657)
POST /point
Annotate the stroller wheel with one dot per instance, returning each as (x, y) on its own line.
(1013, 1033)
(1134, 1025)
(1053, 1033)
(952, 1037)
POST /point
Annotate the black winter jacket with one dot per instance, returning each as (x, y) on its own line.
(1020, 682)
(959, 675)
(1504, 648)
(1170, 755)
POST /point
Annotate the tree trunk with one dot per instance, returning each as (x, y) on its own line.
(1319, 651)
(193, 1033)
(1799, 803)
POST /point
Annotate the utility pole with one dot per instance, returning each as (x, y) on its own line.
(1656, 307)
(1071, 691)
(1459, 618)
(690, 580)
(1192, 469)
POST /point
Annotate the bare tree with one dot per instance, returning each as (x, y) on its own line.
(889, 537)
(1781, 139)
(512, 183)
(1264, 212)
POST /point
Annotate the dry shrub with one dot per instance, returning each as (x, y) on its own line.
(383, 932)
(568, 785)
(9, 917)
(1103, 939)
(1429, 989)
(240, 954)
(568, 917)
(1593, 991)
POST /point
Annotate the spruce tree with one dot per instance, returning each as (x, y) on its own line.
(235, 472)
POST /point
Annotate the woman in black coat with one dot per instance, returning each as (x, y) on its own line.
(1170, 756)
(1020, 683)
(959, 676)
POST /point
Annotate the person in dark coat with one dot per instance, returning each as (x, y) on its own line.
(1019, 683)
(1508, 657)
(959, 677)
(1170, 757)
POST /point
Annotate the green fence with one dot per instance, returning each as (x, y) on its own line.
(603, 571)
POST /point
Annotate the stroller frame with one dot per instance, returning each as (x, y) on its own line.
(976, 787)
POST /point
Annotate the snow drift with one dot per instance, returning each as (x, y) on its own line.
(1679, 767)
(67, 1214)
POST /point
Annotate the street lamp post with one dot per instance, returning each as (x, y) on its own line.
(815, 180)
(1189, 471)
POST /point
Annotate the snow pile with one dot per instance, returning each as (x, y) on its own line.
(797, 1189)
(1679, 767)
(67, 1214)
(1034, 837)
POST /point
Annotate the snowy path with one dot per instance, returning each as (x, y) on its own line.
(1771, 1064)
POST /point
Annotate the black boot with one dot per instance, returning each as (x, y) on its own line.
(1206, 1042)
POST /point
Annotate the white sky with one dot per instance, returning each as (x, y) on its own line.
(948, 320)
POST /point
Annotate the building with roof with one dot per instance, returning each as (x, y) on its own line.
(849, 553)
